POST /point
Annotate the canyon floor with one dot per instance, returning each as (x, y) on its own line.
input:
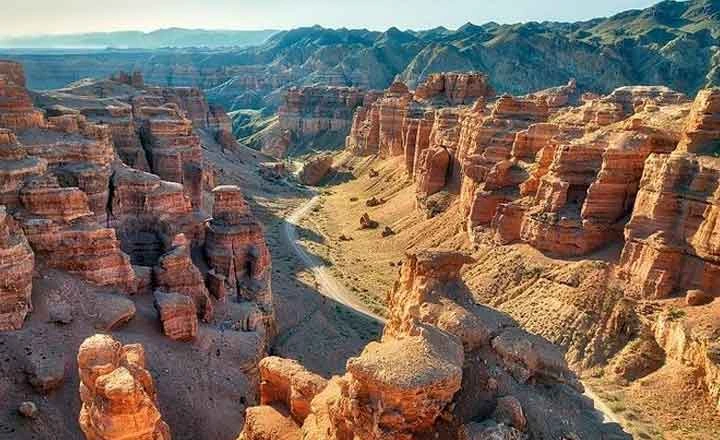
(662, 405)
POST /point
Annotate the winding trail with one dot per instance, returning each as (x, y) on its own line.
(330, 287)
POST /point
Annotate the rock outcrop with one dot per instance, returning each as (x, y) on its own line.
(692, 341)
(287, 382)
(568, 175)
(176, 273)
(454, 88)
(16, 107)
(149, 213)
(533, 168)
(173, 148)
(670, 240)
(107, 185)
(117, 392)
(398, 122)
(239, 258)
(17, 262)
(178, 315)
(320, 116)
(315, 169)
(59, 226)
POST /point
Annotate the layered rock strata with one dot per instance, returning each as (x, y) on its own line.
(397, 123)
(238, 256)
(17, 262)
(454, 88)
(83, 195)
(61, 230)
(536, 169)
(16, 107)
(176, 273)
(117, 392)
(320, 114)
(287, 382)
(178, 315)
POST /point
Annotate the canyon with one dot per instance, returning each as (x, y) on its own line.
(495, 232)
(588, 218)
(120, 217)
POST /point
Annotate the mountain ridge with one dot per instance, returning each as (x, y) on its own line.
(156, 39)
(671, 43)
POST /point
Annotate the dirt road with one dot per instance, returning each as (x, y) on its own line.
(327, 283)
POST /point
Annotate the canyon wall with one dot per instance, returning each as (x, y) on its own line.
(106, 181)
(320, 116)
(627, 180)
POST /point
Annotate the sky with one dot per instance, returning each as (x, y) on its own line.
(31, 17)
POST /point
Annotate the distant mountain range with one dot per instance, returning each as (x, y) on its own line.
(173, 37)
(672, 43)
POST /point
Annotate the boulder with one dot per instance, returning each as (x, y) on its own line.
(28, 410)
(367, 223)
(45, 373)
(113, 311)
(315, 169)
(178, 315)
(698, 298)
(387, 232)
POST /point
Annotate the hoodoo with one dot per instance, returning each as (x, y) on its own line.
(117, 392)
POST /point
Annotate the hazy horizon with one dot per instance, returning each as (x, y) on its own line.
(89, 16)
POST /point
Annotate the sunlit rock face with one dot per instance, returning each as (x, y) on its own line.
(117, 392)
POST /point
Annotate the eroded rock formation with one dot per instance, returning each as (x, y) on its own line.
(107, 184)
(178, 315)
(320, 115)
(315, 169)
(17, 262)
(570, 175)
(400, 122)
(176, 273)
(445, 366)
(454, 88)
(239, 258)
(117, 392)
